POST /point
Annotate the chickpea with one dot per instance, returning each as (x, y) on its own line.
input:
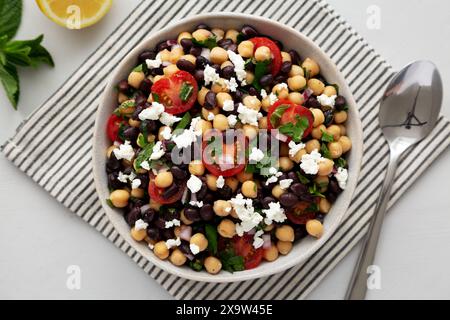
(285, 233)
(263, 53)
(246, 49)
(119, 198)
(316, 86)
(196, 167)
(314, 228)
(285, 164)
(340, 117)
(296, 70)
(244, 176)
(346, 143)
(222, 208)
(249, 77)
(185, 220)
(201, 34)
(135, 78)
(170, 70)
(318, 131)
(137, 193)
(285, 56)
(232, 34)
(280, 91)
(250, 131)
(219, 33)
(164, 179)
(219, 86)
(221, 97)
(202, 95)
(177, 257)
(343, 129)
(110, 150)
(211, 182)
(176, 54)
(249, 189)
(271, 254)
(296, 83)
(311, 66)
(330, 91)
(220, 122)
(335, 131)
(155, 79)
(121, 98)
(265, 103)
(226, 228)
(160, 250)
(284, 247)
(325, 167)
(233, 214)
(226, 64)
(138, 235)
(189, 57)
(296, 97)
(335, 149)
(218, 55)
(206, 112)
(298, 156)
(203, 125)
(199, 240)
(262, 123)
(165, 55)
(322, 182)
(213, 265)
(184, 35)
(324, 205)
(319, 117)
(232, 182)
(252, 102)
(312, 145)
(134, 123)
(277, 191)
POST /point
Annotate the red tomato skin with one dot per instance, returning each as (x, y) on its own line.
(155, 193)
(243, 246)
(294, 110)
(112, 127)
(276, 52)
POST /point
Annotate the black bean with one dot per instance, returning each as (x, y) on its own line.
(127, 170)
(300, 232)
(112, 165)
(292, 175)
(333, 186)
(209, 198)
(224, 42)
(295, 57)
(163, 45)
(123, 86)
(160, 223)
(283, 176)
(146, 86)
(154, 233)
(216, 67)
(196, 51)
(298, 189)
(202, 193)
(148, 125)
(149, 215)
(253, 92)
(232, 47)
(140, 99)
(168, 233)
(199, 75)
(147, 54)
(131, 134)
(280, 79)
(186, 65)
(329, 117)
(249, 31)
(144, 180)
(266, 80)
(170, 191)
(320, 217)
(207, 212)
(133, 216)
(186, 44)
(227, 72)
(340, 102)
(312, 103)
(278, 43)
(210, 100)
(177, 173)
(239, 95)
(265, 202)
(192, 214)
(113, 181)
(288, 199)
(157, 71)
(185, 247)
(286, 67)
(225, 193)
(203, 26)
(201, 62)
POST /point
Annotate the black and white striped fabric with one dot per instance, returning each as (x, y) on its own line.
(53, 146)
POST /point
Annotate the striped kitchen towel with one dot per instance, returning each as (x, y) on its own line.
(53, 146)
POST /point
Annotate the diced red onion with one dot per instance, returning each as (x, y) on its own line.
(185, 195)
(307, 93)
(267, 242)
(252, 232)
(172, 42)
(189, 256)
(186, 233)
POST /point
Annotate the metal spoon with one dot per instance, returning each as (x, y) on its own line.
(408, 112)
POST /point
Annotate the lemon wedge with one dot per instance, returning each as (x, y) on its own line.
(75, 14)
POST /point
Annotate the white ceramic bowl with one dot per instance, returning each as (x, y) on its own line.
(292, 40)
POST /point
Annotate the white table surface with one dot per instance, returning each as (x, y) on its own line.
(39, 238)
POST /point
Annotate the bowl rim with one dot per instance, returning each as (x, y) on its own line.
(356, 155)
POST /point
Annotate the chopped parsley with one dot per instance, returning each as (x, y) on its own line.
(185, 120)
(302, 178)
(314, 190)
(209, 43)
(144, 155)
(295, 130)
(325, 151)
(275, 118)
(211, 235)
(341, 163)
(326, 137)
(230, 261)
(155, 97)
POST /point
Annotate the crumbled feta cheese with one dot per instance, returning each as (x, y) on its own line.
(152, 113)
(231, 84)
(326, 101)
(256, 155)
(341, 177)
(282, 85)
(211, 116)
(136, 183)
(151, 246)
(195, 249)
(220, 182)
(145, 165)
(275, 174)
(273, 170)
(173, 243)
(263, 93)
(239, 65)
(232, 120)
(248, 116)
(274, 213)
(173, 223)
(258, 241)
(272, 98)
(168, 119)
(140, 225)
(196, 203)
(194, 184)
(156, 63)
(310, 162)
(210, 75)
(271, 179)
(188, 136)
(206, 53)
(125, 151)
(157, 151)
(246, 213)
(286, 183)
(294, 148)
(228, 105)
(122, 177)
(166, 133)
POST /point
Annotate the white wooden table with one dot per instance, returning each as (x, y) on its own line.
(39, 238)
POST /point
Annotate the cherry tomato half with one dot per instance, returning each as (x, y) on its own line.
(177, 93)
(156, 194)
(298, 213)
(289, 114)
(243, 246)
(113, 126)
(276, 53)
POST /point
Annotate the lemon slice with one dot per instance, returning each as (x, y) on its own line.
(74, 14)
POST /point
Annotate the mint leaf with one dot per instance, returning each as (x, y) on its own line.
(209, 43)
(261, 68)
(295, 130)
(186, 91)
(211, 235)
(275, 118)
(325, 151)
(10, 17)
(10, 81)
(28, 53)
(144, 155)
(326, 137)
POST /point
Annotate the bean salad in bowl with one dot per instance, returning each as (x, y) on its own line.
(226, 148)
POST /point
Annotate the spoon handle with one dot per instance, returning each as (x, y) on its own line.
(358, 284)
